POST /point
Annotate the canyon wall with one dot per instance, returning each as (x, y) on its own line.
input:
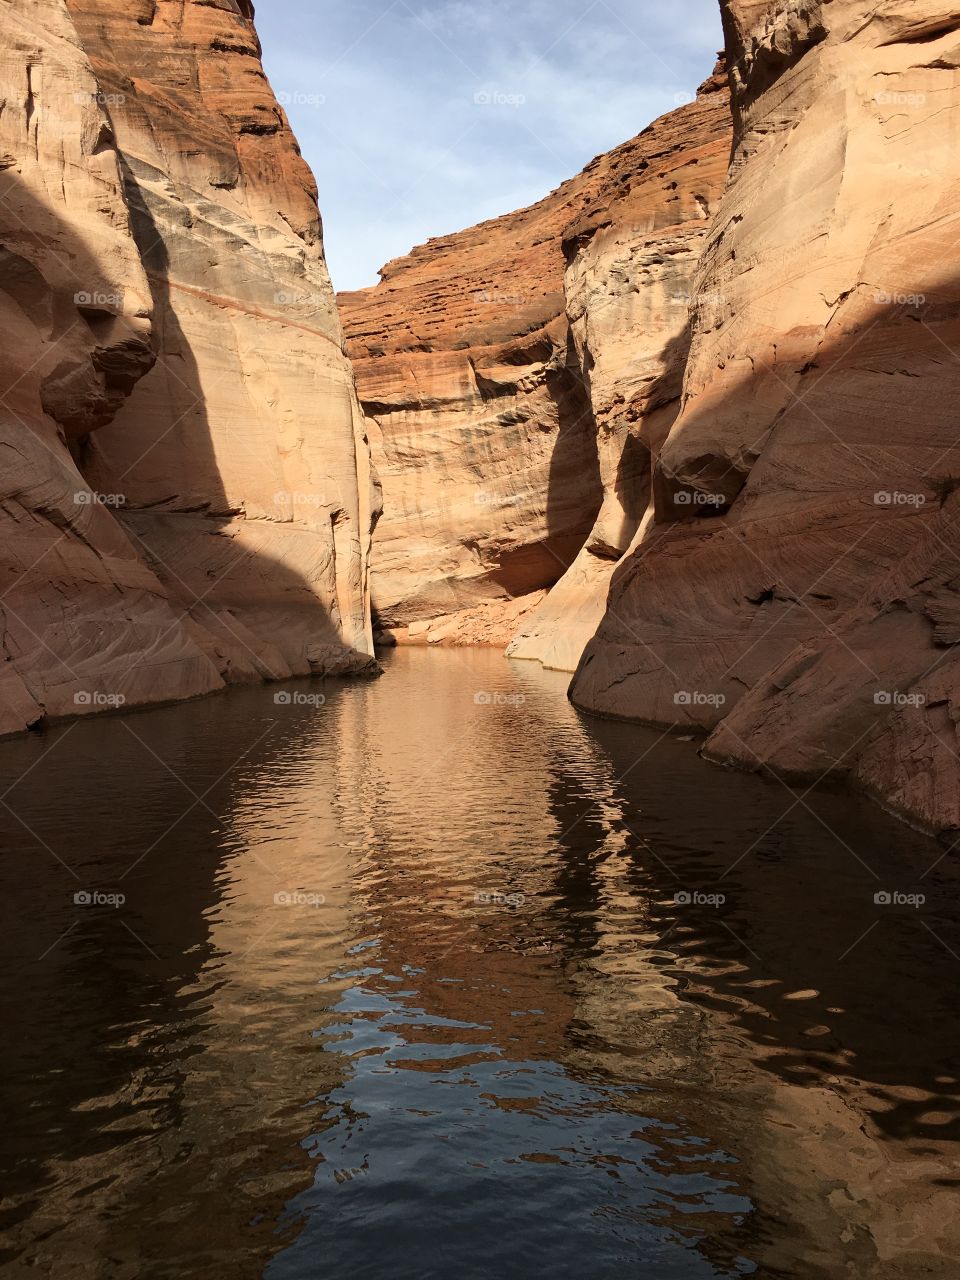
(479, 422)
(747, 503)
(512, 414)
(797, 593)
(242, 457)
(632, 261)
(83, 616)
(186, 495)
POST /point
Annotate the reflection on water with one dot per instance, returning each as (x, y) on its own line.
(441, 978)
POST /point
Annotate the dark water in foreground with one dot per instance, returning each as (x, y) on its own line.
(406, 985)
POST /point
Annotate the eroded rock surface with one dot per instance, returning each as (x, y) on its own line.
(186, 493)
(481, 428)
(632, 261)
(797, 592)
(514, 373)
(242, 457)
(85, 621)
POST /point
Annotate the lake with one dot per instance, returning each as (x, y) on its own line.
(435, 976)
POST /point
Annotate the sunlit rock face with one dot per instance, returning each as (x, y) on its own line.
(187, 498)
(510, 372)
(797, 591)
(84, 619)
(479, 422)
(242, 456)
(632, 261)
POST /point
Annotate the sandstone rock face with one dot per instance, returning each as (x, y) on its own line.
(632, 261)
(797, 590)
(181, 440)
(481, 428)
(242, 457)
(84, 619)
(513, 411)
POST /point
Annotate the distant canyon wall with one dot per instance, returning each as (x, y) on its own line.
(187, 497)
(517, 376)
(632, 262)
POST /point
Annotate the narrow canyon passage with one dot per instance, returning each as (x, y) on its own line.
(563, 883)
(435, 976)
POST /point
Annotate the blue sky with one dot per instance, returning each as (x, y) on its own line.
(421, 117)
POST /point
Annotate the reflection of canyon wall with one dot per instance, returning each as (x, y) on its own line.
(493, 390)
(170, 342)
(200, 941)
(212, 1032)
(750, 1023)
(797, 592)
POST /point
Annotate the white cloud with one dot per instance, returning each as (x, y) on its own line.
(401, 149)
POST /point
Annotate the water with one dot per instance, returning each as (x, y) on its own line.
(406, 985)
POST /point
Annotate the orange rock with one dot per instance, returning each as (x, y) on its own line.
(499, 423)
(86, 624)
(797, 593)
(242, 455)
(632, 264)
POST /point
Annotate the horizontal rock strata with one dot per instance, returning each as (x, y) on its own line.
(479, 423)
(505, 427)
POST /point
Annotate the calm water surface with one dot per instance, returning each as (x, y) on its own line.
(440, 978)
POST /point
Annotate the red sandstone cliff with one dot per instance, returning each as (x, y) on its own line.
(631, 265)
(506, 428)
(242, 456)
(479, 422)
